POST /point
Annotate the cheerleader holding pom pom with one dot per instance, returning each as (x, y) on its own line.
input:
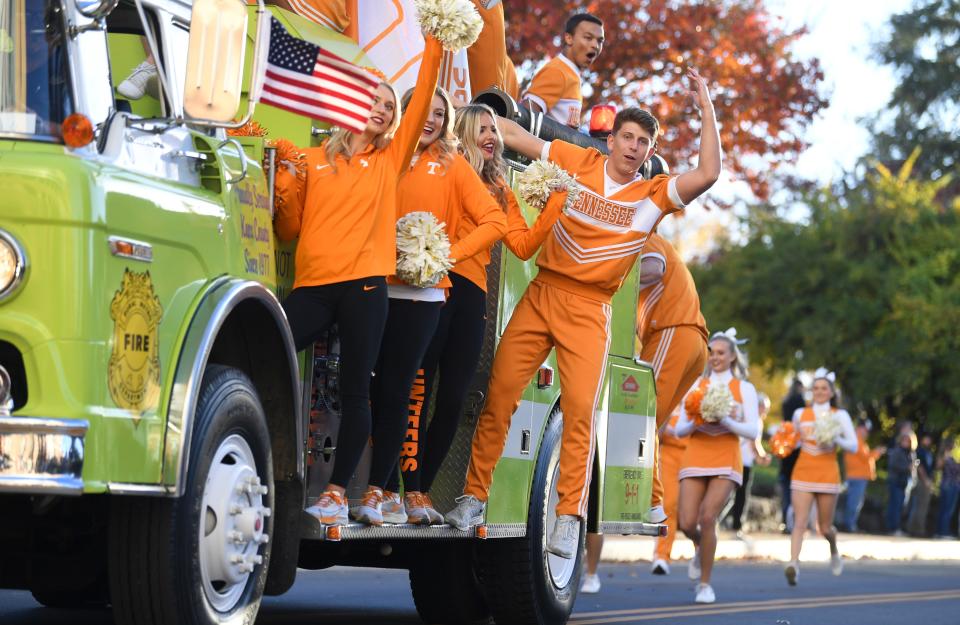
(822, 429)
(720, 408)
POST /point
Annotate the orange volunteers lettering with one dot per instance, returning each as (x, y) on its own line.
(411, 446)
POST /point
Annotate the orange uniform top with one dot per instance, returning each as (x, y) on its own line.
(346, 218)
(861, 464)
(593, 245)
(556, 90)
(673, 301)
(487, 57)
(454, 193)
(520, 238)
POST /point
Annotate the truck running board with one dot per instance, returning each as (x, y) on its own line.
(312, 529)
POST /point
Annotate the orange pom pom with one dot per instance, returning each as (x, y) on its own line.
(692, 401)
(785, 440)
(250, 129)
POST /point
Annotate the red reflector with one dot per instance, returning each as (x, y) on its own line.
(545, 377)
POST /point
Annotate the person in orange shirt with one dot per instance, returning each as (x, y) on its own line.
(443, 183)
(555, 89)
(340, 200)
(330, 13)
(712, 466)
(583, 261)
(673, 334)
(816, 476)
(455, 348)
(861, 469)
(490, 66)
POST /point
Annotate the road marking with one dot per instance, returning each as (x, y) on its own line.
(649, 614)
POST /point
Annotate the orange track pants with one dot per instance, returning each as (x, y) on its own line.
(678, 355)
(579, 328)
(670, 458)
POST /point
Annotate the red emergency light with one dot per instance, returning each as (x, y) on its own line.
(601, 119)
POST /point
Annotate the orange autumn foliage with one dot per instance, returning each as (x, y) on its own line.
(764, 95)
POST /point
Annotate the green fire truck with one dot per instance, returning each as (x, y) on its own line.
(160, 437)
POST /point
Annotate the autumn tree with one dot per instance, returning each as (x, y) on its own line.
(763, 94)
(869, 287)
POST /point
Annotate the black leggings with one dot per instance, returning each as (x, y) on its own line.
(410, 326)
(454, 352)
(740, 501)
(359, 308)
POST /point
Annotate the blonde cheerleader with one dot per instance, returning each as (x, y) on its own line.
(712, 467)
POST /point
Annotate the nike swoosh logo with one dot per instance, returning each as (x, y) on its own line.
(369, 288)
(319, 167)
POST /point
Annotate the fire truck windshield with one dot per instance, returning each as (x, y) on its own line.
(34, 80)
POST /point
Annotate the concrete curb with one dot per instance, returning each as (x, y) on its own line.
(777, 547)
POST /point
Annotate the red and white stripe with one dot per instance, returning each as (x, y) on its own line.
(337, 92)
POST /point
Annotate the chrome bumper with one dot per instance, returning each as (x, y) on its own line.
(41, 456)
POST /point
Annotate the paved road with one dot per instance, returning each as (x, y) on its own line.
(748, 593)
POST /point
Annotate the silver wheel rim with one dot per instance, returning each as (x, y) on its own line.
(232, 520)
(560, 570)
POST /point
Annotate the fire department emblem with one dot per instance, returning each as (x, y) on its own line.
(134, 370)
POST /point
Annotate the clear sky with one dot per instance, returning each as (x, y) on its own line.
(841, 34)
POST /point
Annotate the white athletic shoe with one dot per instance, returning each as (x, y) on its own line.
(693, 569)
(792, 572)
(591, 584)
(705, 594)
(661, 567)
(565, 538)
(143, 80)
(836, 564)
(392, 508)
(369, 511)
(468, 513)
(656, 515)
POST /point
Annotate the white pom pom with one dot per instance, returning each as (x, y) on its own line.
(540, 179)
(826, 428)
(455, 23)
(717, 403)
(423, 249)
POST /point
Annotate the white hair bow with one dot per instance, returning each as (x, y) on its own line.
(823, 373)
(731, 335)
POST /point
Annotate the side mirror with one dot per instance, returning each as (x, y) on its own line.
(212, 87)
(96, 9)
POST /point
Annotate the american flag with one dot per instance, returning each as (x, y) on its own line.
(303, 78)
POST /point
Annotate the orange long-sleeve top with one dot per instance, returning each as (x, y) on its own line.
(346, 215)
(519, 238)
(861, 464)
(453, 192)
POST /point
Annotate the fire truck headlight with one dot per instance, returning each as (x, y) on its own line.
(13, 265)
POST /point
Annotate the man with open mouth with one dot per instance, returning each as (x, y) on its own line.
(555, 89)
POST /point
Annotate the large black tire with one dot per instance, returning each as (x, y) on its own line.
(445, 587)
(525, 585)
(162, 570)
